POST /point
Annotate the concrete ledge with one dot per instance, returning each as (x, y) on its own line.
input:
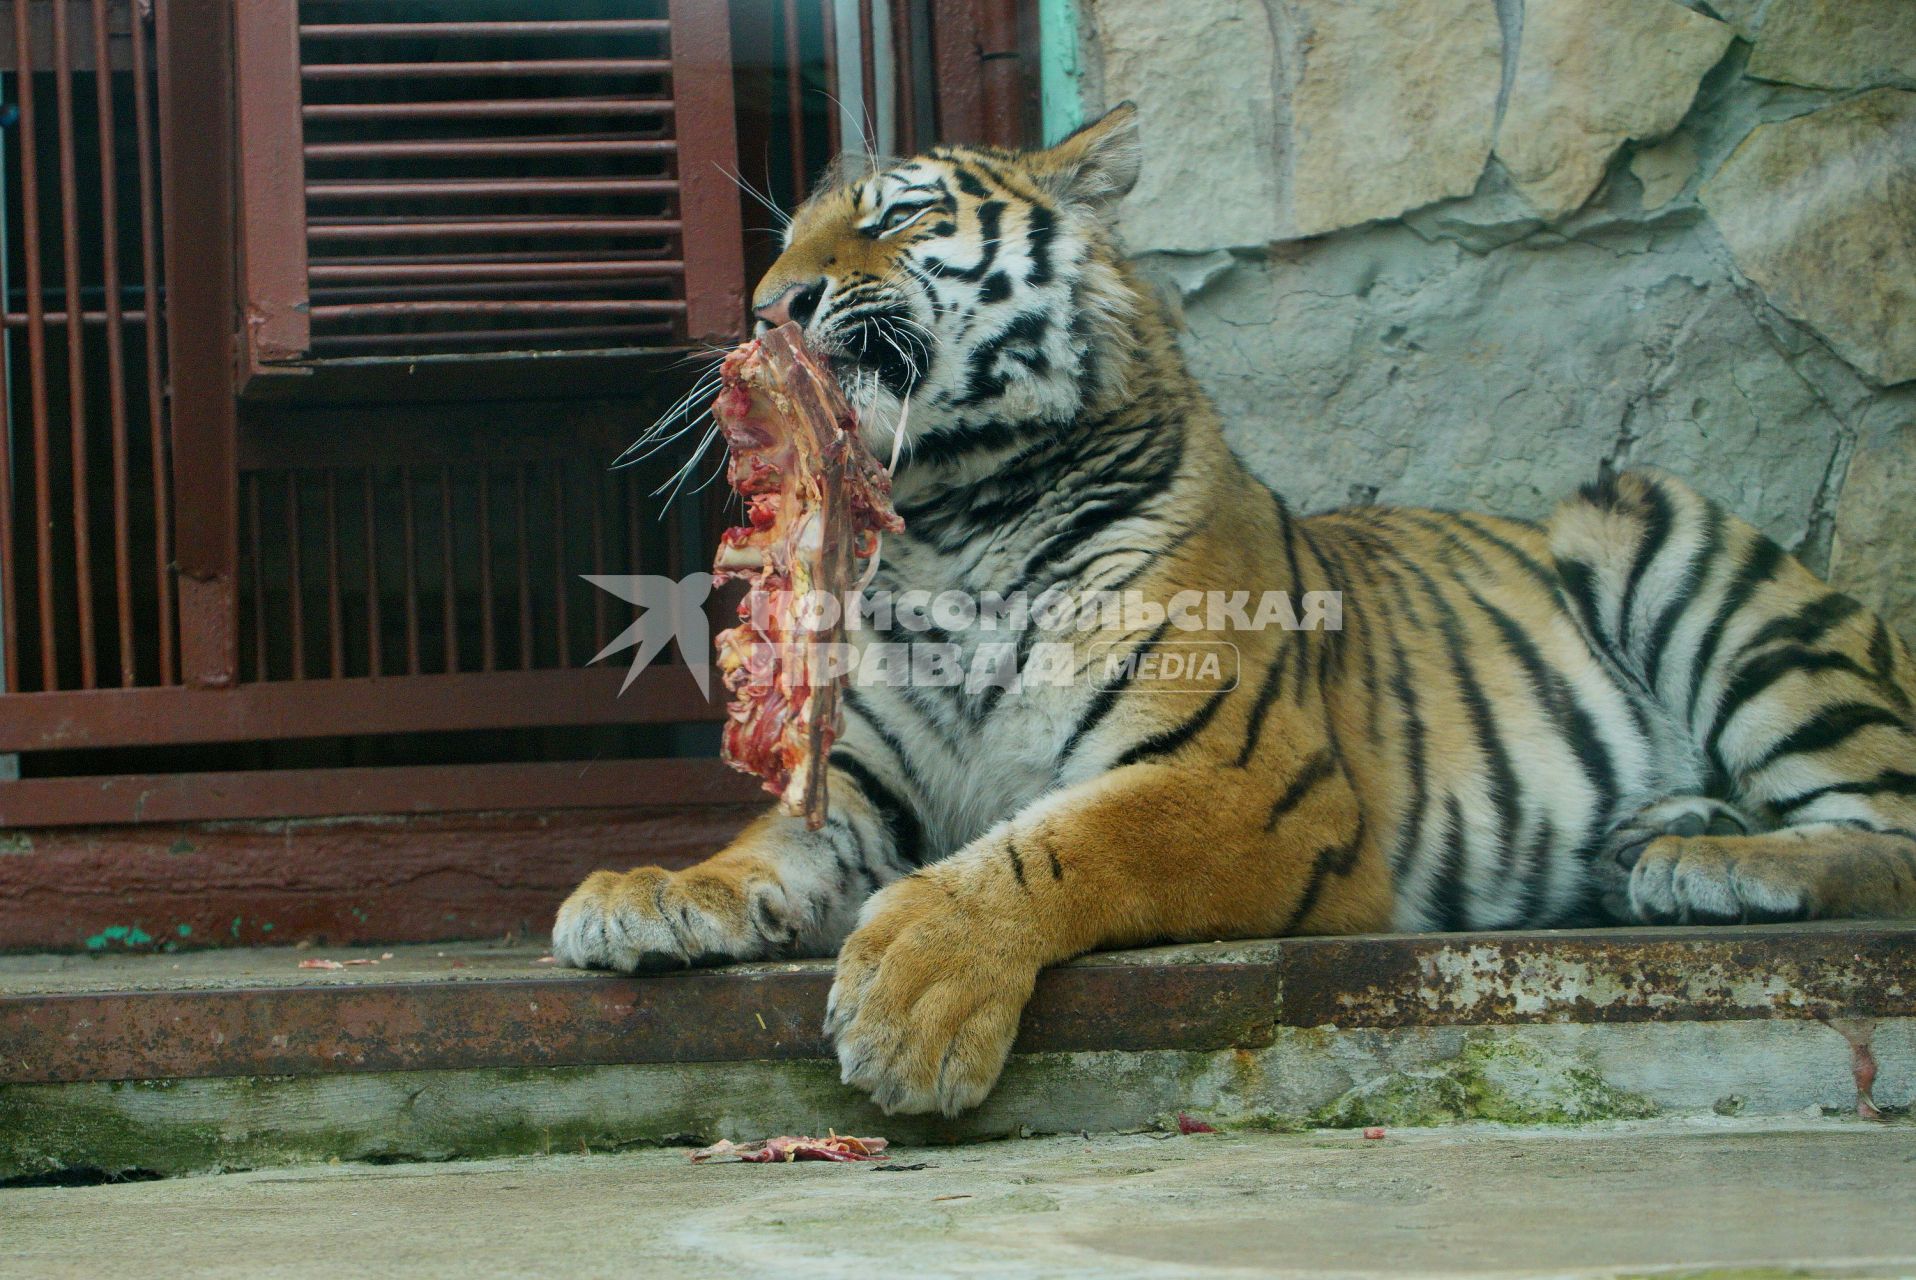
(422, 1008)
(1407, 1078)
(194, 1063)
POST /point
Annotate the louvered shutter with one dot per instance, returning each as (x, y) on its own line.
(418, 181)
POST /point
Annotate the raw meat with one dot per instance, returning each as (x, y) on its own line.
(815, 503)
(842, 1150)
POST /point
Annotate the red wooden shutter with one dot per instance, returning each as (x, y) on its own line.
(532, 182)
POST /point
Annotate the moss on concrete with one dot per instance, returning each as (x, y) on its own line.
(1321, 1078)
(48, 1129)
(1493, 1078)
(211, 1125)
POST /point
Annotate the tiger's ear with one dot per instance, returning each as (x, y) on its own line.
(1098, 164)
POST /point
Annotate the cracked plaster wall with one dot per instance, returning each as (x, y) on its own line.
(1462, 252)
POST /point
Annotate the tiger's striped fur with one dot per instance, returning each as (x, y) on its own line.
(1639, 710)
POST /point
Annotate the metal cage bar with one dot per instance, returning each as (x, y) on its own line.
(85, 494)
(411, 214)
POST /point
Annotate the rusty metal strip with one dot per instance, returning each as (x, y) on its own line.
(558, 272)
(795, 101)
(450, 188)
(403, 229)
(409, 518)
(295, 579)
(654, 288)
(514, 67)
(335, 597)
(835, 91)
(543, 255)
(272, 177)
(505, 338)
(75, 346)
(1001, 60)
(1856, 969)
(534, 289)
(623, 108)
(326, 1028)
(598, 482)
(904, 44)
(522, 27)
(662, 694)
(276, 794)
(501, 306)
(9, 592)
(488, 621)
(115, 346)
(20, 320)
(448, 578)
(490, 148)
(704, 126)
(868, 79)
(155, 368)
(255, 555)
(375, 658)
(196, 170)
(954, 50)
(9, 587)
(29, 143)
(522, 562)
(561, 580)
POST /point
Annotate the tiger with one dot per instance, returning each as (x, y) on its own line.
(1640, 709)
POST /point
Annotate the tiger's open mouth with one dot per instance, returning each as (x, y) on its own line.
(887, 344)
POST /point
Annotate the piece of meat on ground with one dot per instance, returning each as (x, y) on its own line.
(841, 1149)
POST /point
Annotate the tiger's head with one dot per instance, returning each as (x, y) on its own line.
(978, 293)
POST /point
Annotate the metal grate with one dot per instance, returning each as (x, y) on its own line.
(447, 566)
(489, 184)
(499, 176)
(852, 75)
(86, 592)
(366, 532)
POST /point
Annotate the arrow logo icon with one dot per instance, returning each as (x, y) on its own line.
(674, 609)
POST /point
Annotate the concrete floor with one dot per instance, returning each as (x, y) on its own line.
(1721, 1198)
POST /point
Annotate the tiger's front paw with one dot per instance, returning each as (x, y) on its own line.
(652, 919)
(927, 997)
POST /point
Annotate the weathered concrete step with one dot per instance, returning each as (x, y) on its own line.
(175, 1063)
(1722, 1199)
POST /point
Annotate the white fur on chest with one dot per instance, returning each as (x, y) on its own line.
(975, 756)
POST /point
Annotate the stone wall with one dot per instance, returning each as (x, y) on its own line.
(1461, 252)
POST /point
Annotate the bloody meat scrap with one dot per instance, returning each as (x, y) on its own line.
(841, 1150)
(815, 503)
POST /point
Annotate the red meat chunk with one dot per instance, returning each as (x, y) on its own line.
(816, 503)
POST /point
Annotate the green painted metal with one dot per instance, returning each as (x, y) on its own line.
(1060, 79)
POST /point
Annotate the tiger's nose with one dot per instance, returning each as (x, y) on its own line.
(799, 302)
